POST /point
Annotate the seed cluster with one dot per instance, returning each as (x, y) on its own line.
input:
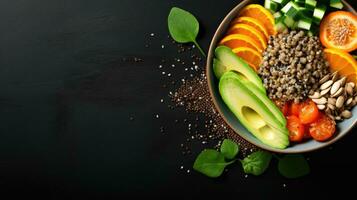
(292, 65)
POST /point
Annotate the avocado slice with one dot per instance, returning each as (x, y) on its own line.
(263, 97)
(218, 68)
(230, 61)
(252, 112)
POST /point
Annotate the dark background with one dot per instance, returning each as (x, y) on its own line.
(78, 106)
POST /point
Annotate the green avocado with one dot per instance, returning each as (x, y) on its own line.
(252, 112)
(229, 61)
(263, 97)
(218, 68)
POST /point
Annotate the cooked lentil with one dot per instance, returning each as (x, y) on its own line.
(292, 65)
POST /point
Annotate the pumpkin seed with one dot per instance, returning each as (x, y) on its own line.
(335, 87)
(326, 85)
(316, 95)
(338, 93)
(334, 76)
(349, 101)
(346, 114)
(325, 91)
(320, 101)
(331, 101)
(349, 89)
(331, 107)
(324, 79)
(342, 80)
(339, 102)
(321, 107)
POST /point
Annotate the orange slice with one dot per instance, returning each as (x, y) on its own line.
(238, 40)
(262, 14)
(342, 62)
(252, 22)
(250, 31)
(339, 30)
(250, 55)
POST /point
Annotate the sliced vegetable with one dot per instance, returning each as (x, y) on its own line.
(271, 5)
(310, 4)
(278, 16)
(309, 112)
(281, 2)
(289, 22)
(304, 23)
(296, 129)
(338, 30)
(323, 129)
(291, 9)
(280, 27)
(319, 13)
(294, 109)
(300, 2)
(336, 4)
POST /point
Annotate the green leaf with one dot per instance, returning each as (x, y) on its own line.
(211, 163)
(229, 149)
(183, 27)
(293, 166)
(355, 56)
(256, 163)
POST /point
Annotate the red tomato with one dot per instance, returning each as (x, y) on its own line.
(308, 112)
(294, 109)
(323, 128)
(284, 107)
(307, 133)
(296, 128)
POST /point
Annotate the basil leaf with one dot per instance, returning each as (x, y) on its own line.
(229, 149)
(183, 27)
(256, 163)
(293, 166)
(211, 163)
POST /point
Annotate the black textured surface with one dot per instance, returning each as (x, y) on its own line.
(69, 84)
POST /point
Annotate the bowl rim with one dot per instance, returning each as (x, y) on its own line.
(209, 71)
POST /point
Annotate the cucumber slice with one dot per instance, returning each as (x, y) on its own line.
(291, 9)
(270, 5)
(304, 23)
(313, 30)
(278, 16)
(336, 4)
(289, 22)
(304, 12)
(310, 4)
(319, 13)
(300, 2)
(280, 27)
(281, 2)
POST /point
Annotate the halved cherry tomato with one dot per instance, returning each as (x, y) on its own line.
(307, 133)
(296, 128)
(323, 128)
(283, 106)
(294, 109)
(308, 112)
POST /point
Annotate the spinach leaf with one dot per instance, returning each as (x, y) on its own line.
(229, 149)
(256, 163)
(183, 27)
(211, 163)
(293, 166)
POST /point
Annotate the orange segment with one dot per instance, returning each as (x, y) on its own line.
(238, 40)
(250, 55)
(262, 14)
(250, 31)
(254, 23)
(342, 62)
(339, 30)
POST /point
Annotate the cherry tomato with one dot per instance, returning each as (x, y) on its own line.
(283, 106)
(307, 133)
(294, 109)
(296, 128)
(323, 128)
(308, 112)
